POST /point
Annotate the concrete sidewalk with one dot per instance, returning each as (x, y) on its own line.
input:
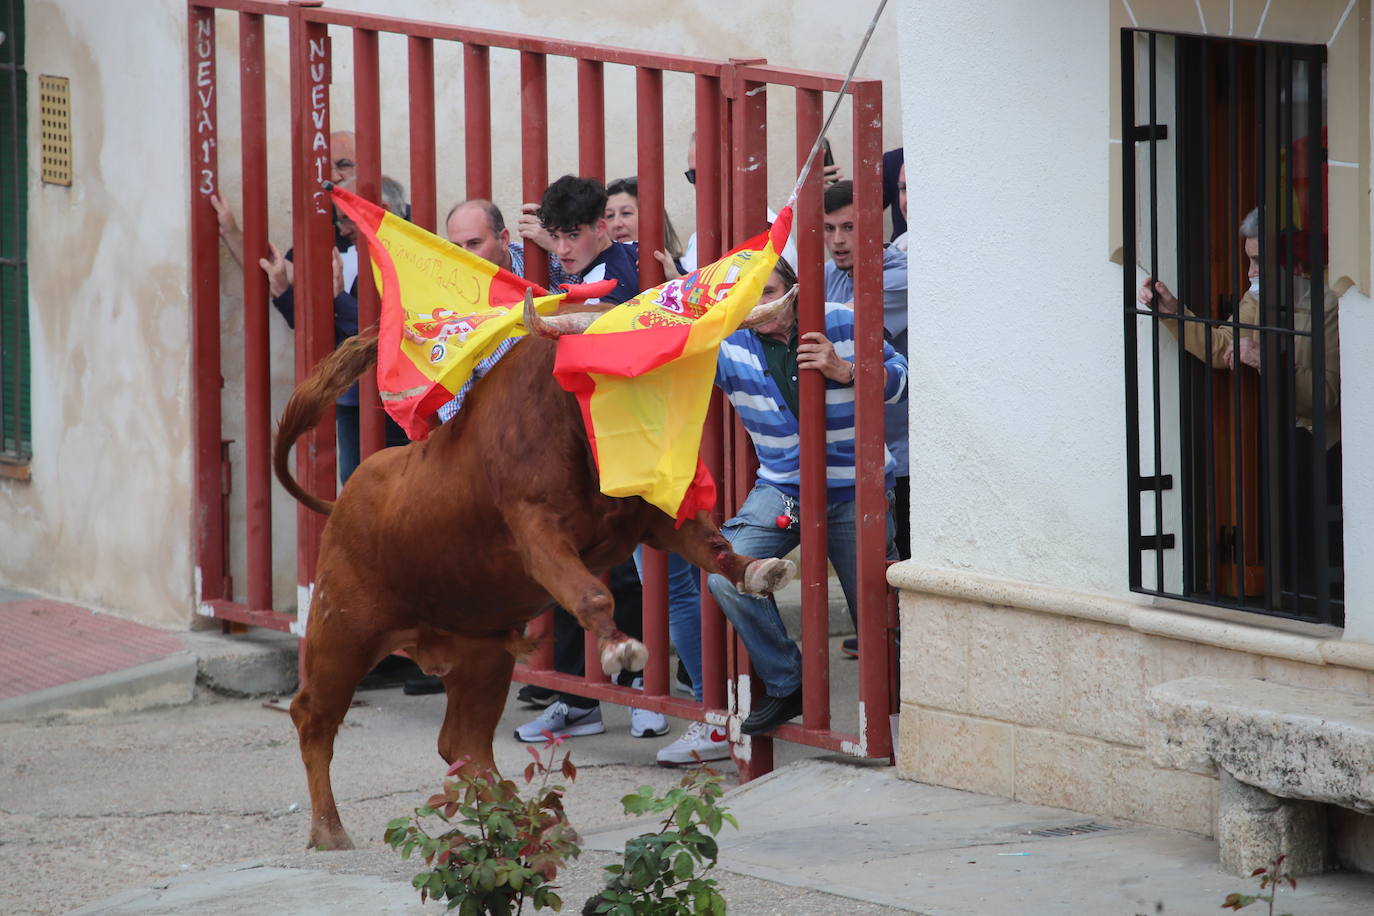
(108, 802)
(823, 836)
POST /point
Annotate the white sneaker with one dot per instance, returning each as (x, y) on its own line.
(645, 723)
(561, 721)
(700, 742)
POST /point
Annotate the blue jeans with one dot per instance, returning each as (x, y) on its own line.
(684, 612)
(348, 441)
(755, 533)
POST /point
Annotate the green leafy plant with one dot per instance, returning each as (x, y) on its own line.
(503, 849)
(659, 876)
(1270, 879)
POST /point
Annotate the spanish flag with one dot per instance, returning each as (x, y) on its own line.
(443, 310)
(643, 373)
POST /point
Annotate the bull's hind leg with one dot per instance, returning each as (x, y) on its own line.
(476, 684)
(705, 547)
(336, 659)
(551, 561)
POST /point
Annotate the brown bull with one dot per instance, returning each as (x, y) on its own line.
(446, 548)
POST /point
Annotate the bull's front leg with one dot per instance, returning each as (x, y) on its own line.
(702, 544)
(551, 560)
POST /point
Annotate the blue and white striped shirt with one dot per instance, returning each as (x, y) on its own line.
(742, 373)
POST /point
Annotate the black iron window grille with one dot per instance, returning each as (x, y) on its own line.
(15, 425)
(1232, 345)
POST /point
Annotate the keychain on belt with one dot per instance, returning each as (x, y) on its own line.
(789, 516)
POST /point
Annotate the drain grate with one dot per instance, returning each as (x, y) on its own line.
(1075, 830)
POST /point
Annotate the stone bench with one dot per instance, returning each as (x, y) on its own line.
(1282, 753)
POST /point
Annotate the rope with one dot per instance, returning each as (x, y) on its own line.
(834, 108)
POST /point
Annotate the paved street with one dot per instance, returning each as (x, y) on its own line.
(98, 804)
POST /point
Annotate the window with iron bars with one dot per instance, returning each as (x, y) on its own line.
(15, 436)
(1232, 345)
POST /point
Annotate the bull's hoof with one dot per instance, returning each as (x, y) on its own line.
(629, 655)
(326, 839)
(763, 577)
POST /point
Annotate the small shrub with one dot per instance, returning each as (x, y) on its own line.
(659, 875)
(1271, 879)
(504, 849)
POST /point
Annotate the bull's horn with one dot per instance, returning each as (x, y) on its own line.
(767, 311)
(555, 325)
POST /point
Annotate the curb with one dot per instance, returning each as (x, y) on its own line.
(167, 681)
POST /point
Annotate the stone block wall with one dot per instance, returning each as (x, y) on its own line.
(1047, 704)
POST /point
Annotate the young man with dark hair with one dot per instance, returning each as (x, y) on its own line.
(842, 243)
(573, 213)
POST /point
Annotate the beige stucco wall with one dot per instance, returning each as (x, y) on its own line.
(105, 518)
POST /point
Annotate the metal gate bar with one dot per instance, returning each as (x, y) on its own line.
(731, 126)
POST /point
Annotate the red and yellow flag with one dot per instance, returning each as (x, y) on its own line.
(643, 373)
(443, 310)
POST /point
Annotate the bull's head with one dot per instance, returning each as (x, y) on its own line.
(577, 322)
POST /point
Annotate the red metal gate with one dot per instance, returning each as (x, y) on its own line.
(731, 196)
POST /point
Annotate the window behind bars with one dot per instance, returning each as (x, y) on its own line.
(1232, 348)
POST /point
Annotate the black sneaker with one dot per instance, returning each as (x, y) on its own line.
(392, 671)
(424, 683)
(850, 647)
(682, 683)
(772, 712)
(539, 697)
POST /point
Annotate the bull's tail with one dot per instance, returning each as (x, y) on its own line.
(334, 375)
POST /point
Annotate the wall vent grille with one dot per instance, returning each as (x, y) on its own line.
(55, 113)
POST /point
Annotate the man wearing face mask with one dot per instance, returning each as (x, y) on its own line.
(1224, 354)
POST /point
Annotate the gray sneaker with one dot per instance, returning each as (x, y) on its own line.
(701, 742)
(561, 721)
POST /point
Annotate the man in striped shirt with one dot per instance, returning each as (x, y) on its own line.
(758, 371)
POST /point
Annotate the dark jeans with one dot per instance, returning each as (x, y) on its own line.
(568, 655)
(901, 515)
(349, 447)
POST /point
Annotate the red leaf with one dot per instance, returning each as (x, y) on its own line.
(1257, 872)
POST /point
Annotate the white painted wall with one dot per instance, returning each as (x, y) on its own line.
(1018, 446)
(1017, 414)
